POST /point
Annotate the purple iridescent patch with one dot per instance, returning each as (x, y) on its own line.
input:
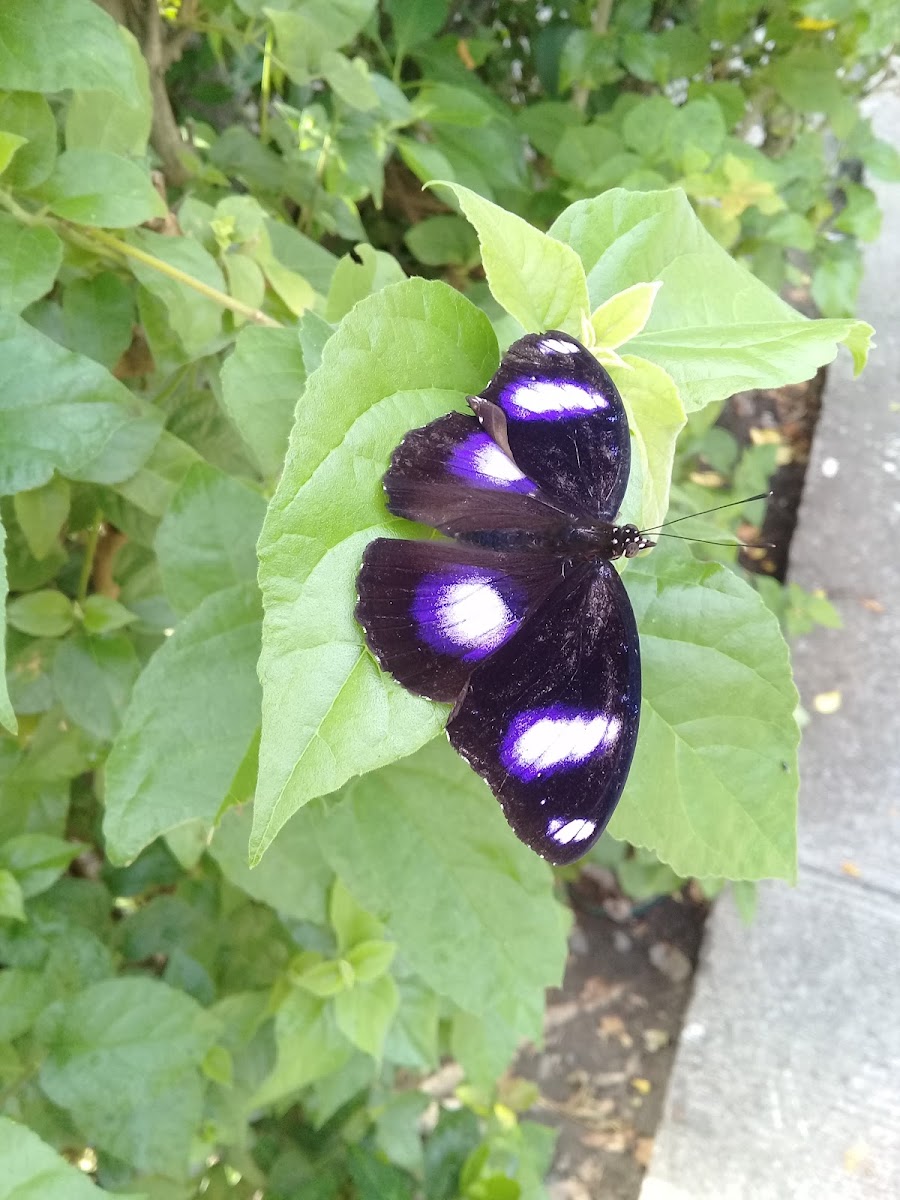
(543, 741)
(466, 613)
(479, 460)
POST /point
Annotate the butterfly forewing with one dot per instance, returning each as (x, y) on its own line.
(550, 719)
(432, 611)
(563, 422)
(453, 476)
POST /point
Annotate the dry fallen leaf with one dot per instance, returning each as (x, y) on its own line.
(644, 1086)
(655, 1039)
(673, 963)
(827, 703)
(614, 1027)
(851, 869)
(873, 605)
(643, 1151)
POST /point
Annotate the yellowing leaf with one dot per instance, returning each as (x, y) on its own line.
(624, 315)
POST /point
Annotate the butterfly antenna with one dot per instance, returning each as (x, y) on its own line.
(706, 542)
(705, 512)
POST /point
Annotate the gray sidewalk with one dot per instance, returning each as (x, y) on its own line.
(787, 1080)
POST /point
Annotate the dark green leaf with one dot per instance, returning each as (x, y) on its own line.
(95, 187)
(37, 860)
(41, 514)
(98, 315)
(61, 411)
(191, 717)
(206, 542)
(377, 1180)
(30, 257)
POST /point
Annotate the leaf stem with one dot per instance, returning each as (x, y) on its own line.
(265, 90)
(90, 551)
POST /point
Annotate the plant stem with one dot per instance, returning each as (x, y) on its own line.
(265, 90)
(90, 551)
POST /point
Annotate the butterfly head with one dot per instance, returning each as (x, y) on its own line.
(628, 540)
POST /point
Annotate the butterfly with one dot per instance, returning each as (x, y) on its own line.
(520, 620)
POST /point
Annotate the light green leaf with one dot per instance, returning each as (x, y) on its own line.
(102, 614)
(47, 613)
(23, 995)
(98, 317)
(302, 36)
(7, 716)
(194, 319)
(328, 712)
(261, 383)
(364, 1013)
(293, 877)
(93, 678)
(124, 1060)
(105, 120)
(32, 1169)
(30, 257)
(37, 860)
(807, 79)
(445, 239)
(415, 21)
(29, 116)
(656, 417)
(41, 514)
(61, 411)
(350, 79)
(61, 44)
(12, 902)
(206, 542)
(728, 750)
(354, 281)
(95, 187)
(371, 959)
(537, 279)
(309, 1046)
(349, 920)
(191, 717)
(10, 143)
(448, 874)
(246, 282)
(749, 337)
(623, 316)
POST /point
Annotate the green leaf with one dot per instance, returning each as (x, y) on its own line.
(37, 860)
(370, 960)
(323, 979)
(445, 239)
(41, 514)
(93, 678)
(349, 79)
(293, 877)
(714, 328)
(107, 120)
(309, 1046)
(102, 614)
(207, 540)
(23, 995)
(12, 903)
(61, 411)
(415, 21)
(354, 281)
(47, 613)
(835, 283)
(449, 874)
(623, 316)
(304, 35)
(32, 1169)
(349, 920)
(656, 417)
(29, 116)
(95, 187)
(397, 1128)
(261, 384)
(729, 749)
(30, 257)
(7, 716)
(537, 279)
(376, 381)
(806, 78)
(187, 728)
(62, 44)
(195, 320)
(364, 1013)
(124, 1061)
(99, 316)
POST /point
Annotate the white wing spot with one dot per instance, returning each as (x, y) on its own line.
(473, 614)
(558, 346)
(543, 396)
(552, 741)
(493, 464)
(565, 832)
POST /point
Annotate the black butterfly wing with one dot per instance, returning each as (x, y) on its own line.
(453, 476)
(560, 416)
(432, 611)
(550, 719)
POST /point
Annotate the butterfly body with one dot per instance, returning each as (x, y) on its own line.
(520, 620)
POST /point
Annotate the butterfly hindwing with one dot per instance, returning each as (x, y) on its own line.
(432, 611)
(550, 720)
(561, 417)
(453, 476)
